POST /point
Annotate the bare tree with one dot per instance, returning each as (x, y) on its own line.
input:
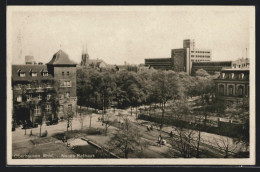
(226, 145)
(106, 121)
(69, 118)
(81, 119)
(127, 139)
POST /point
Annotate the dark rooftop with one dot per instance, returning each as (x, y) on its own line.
(27, 68)
(61, 58)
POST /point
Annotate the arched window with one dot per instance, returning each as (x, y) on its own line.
(230, 90)
(240, 91)
(221, 90)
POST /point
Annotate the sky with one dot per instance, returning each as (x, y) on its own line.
(131, 34)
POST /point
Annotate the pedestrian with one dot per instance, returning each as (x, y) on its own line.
(159, 140)
(151, 127)
(171, 134)
(147, 127)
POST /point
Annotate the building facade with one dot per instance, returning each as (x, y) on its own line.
(232, 85)
(213, 67)
(182, 58)
(159, 63)
(37, 87)
(242, 63)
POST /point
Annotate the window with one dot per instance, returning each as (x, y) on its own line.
(39, 96)
(68, 94)
(65, 83)
(29, 97)
(230, 90)
(241, 76)
(240, 91)
(36, 110)
(221, 90)
(19, 98)
(29, 86)
(34, 74)
(45, 74)
(70, 107)
(22, 74)
(68, 73)
(223, 75)
(48, 108)
(48, 96)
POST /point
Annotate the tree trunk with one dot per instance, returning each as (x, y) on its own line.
(103, 107)
(40, 130)
(198, 146)
(90, 121)
(136, 113)
(163, 109)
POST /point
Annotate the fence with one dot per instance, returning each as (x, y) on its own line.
(219, 127)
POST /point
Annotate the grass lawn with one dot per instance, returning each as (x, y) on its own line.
(38, 147)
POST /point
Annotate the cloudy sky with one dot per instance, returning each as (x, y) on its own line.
(131, 34)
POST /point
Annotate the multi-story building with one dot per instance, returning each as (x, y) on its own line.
(182, 58)
(232, 85)
(212, 67)
(159, 63)
(41, 84)
(241, 63)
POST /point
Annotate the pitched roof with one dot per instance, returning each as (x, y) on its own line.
(96, 62)
(27, 69)
(61, 58)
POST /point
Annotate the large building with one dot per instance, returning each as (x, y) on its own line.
(35, 86)
(182, 58)
(232, 85)
(242, 63)
(212, 67)
(159, 63)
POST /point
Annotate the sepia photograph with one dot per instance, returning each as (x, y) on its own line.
(130, 85)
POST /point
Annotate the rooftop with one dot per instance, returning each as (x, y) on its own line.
(61, 58)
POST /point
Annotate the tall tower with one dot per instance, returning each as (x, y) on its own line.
(84, 57)
(189, 43)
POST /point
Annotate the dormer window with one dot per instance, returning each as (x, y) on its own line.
(21, 73)
(33, 73)
(44, 72)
